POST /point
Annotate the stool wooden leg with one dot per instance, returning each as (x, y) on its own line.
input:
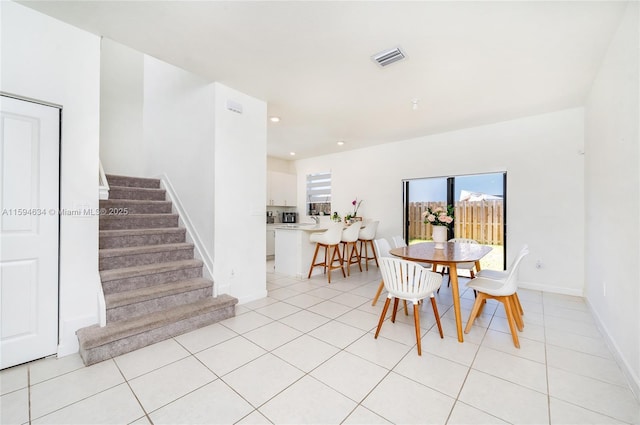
(313, 261)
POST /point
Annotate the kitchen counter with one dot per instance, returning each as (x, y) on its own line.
(293, 249)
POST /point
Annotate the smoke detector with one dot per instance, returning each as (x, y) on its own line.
(387, 57)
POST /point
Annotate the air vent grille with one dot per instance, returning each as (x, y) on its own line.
(388, 57)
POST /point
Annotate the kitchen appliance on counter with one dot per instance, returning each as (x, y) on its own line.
(270, 217)
(289, 217)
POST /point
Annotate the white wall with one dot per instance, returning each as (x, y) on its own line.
(215, 159)
(47, 60)
(157, 121)
(281, 165)
(121, 107)
(179, 140)
(240, 188)
(545, 180)
(612, 206)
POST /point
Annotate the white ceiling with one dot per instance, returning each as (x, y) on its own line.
(469, 63)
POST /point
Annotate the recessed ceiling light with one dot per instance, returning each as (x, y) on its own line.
(292, 153)
(340, 143)
(274, 119)
(414, 103)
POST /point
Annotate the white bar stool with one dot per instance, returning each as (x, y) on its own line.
(330, 241)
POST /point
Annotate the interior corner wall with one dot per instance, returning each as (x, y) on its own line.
(178, 123)
(47, 60)
(157, 121)
(280, 165)
(122, 149)
(612, 204)
(545, 186)
(240, 193)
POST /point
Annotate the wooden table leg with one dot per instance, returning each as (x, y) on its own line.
(453, 276)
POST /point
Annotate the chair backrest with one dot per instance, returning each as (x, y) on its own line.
(398, 241)
(369, 231)
(331, 236)
(408, 280)
(382, 247)
(511, 282)
(351, 233)
(463, 240)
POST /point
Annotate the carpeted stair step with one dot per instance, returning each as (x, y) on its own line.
(141, 255)
(138, 221)
(129, 304)
(137, 237)
(140, 193)
(134, 206)
(115, 180)
(127, 279)
(116, 338)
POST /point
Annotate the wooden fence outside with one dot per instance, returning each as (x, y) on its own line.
(478, 220)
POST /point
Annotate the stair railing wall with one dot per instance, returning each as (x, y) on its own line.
(103, 193)
(200, 251)
(103, 184)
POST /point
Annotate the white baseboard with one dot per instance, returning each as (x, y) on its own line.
(632, 378)
(193, 236)
(68, 342)
(551, 289)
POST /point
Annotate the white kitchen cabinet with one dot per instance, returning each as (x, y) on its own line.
(281, 189)
(271, 242)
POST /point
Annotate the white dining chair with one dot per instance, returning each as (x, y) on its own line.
(469, 266)
(383, 248)
(502, 275)
(398, 241)
(503, 290)
(408, 281)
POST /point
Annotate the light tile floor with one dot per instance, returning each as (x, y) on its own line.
(306, 354)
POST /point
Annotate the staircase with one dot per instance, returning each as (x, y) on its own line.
(152, 284)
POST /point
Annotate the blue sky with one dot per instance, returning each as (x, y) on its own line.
(435, 189)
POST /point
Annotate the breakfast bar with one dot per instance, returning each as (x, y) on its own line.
(293, 249)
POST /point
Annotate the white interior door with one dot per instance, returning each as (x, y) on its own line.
(29, 201)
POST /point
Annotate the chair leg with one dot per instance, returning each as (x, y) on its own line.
(384, 313)
(357, 255)
(380, 288)
(435, 313)
(510, 319)
(313, 261)
(517, 300)
(516, 313)
(406, 311)
(375, 255)
(352, 256)
(474, 311)
(340, 260)
(395, 310)
(416, 319)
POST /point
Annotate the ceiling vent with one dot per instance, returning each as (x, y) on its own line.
(388, 57)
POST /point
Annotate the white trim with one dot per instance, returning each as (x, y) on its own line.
(102, 304)
(632, 379)
(551, 289)
(103, 184)
(201, 251)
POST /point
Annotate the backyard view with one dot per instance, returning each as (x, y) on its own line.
(478, 203)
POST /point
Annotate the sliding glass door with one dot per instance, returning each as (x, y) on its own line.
(479, 202)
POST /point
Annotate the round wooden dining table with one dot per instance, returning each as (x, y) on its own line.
(452, 254)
